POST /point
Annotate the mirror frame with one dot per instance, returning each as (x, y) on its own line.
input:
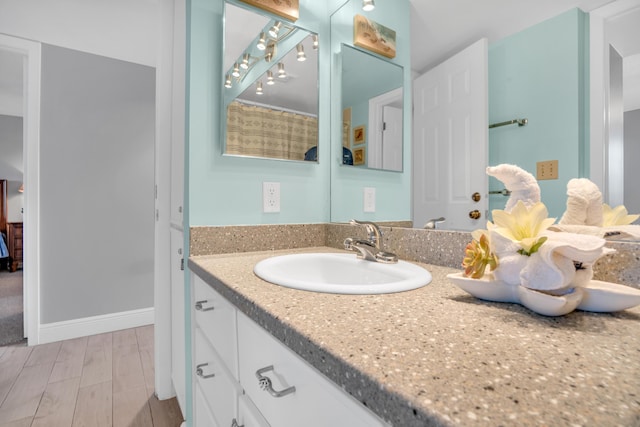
(290, 43)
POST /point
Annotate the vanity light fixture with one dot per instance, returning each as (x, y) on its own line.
(300, 55)
(245, 61)
(281, 72)
(315, 41)
(236, 70)
(227, 81)
(273, 32)
(259, 88)
(262, 42)
(368, 5)
(270, 79)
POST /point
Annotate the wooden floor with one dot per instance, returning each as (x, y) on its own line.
(101, 380)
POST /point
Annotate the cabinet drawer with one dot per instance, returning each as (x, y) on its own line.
(217, 319)
(203, 416)
(219, 389)
(316, 401)
(248, 414)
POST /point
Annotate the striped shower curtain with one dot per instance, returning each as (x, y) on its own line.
(265, 132)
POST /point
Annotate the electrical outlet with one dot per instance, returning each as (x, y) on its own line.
(270, 197)
(547, 169)
(369, 199)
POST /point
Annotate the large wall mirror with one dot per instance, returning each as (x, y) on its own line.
(270, 103)
(372, 116)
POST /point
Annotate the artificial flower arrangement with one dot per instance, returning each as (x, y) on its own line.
(519, 259)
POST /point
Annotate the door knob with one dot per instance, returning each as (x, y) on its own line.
(475, 214)
(476, 197)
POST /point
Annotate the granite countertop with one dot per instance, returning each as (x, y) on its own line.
(438, 356)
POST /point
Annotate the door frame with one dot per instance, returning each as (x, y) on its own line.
(376, 120)
(31, 52)
(599, 121)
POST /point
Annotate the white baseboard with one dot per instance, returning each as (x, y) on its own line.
(68, 329)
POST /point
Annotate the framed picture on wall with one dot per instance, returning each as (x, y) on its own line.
(375, 37)
(358, 156)
(358, 135)
(288, 9)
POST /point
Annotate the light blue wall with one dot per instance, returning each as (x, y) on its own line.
(393, 189)
(224, 190)
(542, 74)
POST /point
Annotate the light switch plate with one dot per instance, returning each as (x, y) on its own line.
(369, 199)
(547, 169)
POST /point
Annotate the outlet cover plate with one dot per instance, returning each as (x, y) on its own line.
(270, 197)
(547, 169)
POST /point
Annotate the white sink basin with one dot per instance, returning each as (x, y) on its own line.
(341, 274)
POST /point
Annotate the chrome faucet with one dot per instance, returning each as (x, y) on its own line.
(431, 224)
(370, 249)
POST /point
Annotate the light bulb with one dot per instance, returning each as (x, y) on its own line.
(236, 70)
(281, 72)
(259, 88)
(368, 5)
(315, 41)
(270, 79)
(262, 42)
(300, 55)
(273, 32)
(245, 61)
(227, 82)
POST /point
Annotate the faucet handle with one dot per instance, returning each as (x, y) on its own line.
(374, 233)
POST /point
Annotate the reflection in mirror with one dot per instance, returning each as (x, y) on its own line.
(270, 87)
(372, 116)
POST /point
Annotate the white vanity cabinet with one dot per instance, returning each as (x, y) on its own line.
(245, 377)
(218, 387)
(216, 317)
(290, 392)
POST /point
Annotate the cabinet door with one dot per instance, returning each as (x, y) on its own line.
(177, 319)
(248, 414)
(220, 390)
(316, 401)
(203, 416)
(217, 319)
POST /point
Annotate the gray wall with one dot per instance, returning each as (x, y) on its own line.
(96, 185)
(631, 158)
(11, 167)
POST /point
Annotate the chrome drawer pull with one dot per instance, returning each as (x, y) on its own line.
(200, 373)
(200, 308)
(265, 383)
(234, 423)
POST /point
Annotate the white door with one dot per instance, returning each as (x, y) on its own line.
(392, 138)
(450, 134)
(384, 138)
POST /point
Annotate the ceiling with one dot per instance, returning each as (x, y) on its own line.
(440, 29)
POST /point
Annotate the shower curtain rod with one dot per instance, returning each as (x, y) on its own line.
(520, 122)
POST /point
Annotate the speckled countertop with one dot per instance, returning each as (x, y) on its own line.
(438, 356)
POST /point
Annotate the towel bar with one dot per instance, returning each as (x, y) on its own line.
(504, 192)
(520, 122)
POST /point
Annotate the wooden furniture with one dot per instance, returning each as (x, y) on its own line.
(14, 244)
(3, 205)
